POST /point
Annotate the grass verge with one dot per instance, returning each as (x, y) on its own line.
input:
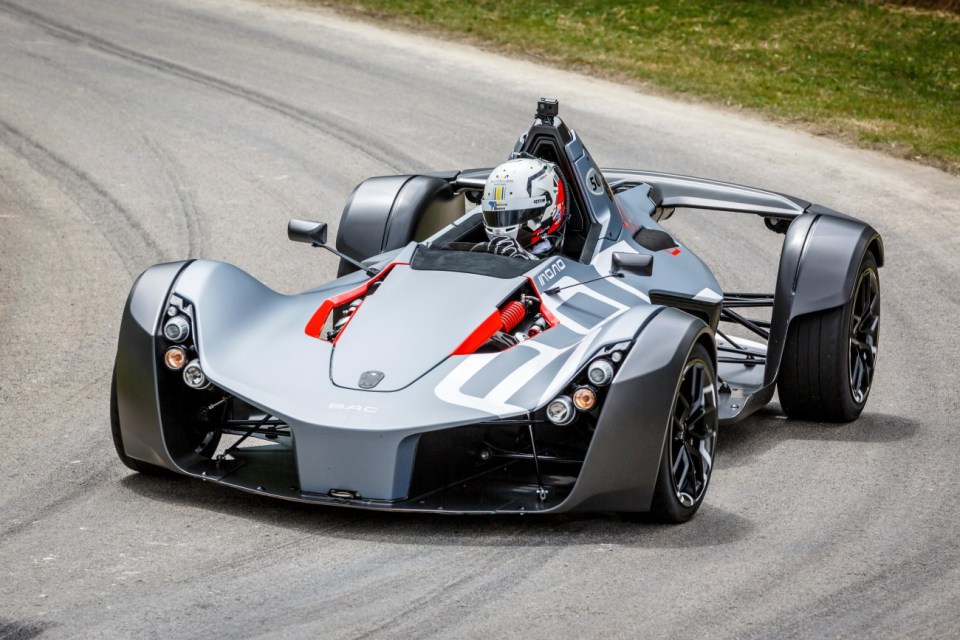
(880, 76)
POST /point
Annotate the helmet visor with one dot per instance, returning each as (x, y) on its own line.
(511, 217)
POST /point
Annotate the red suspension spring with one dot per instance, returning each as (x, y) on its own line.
(511, 315)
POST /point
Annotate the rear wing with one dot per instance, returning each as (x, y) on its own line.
(668, 191)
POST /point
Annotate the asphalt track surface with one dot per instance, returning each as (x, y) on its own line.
(138, 132)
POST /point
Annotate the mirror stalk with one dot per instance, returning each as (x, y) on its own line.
(315, 234)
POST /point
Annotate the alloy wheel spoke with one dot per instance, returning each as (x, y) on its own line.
(699, 428)
(693, 454)
(706, 457)
(858, 375)
(857, 323)
(694, 420)
(685, 406)
(683, 457)
(696, 416)
(863, 335)
(872, 307)
(696, 388)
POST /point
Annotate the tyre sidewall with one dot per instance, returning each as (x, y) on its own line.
(666, 506)
(850, 407)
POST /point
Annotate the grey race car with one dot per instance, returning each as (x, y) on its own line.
(429, 377)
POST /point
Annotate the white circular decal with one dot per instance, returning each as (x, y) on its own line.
(594, 182)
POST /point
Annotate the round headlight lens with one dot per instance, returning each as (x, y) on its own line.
(193, 376)
(584, 398)
(600, 372)
(176, 329)
(175, 358)
(560, 411)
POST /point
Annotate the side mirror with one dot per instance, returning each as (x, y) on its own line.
(635, 263)
(314, 233)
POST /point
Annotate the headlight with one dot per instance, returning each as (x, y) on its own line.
(584, 398)
(176, 329)
(560, 411)
(193, 376)
(600, 372)
(175, 358)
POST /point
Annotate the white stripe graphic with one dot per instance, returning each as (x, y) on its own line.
(449, 389)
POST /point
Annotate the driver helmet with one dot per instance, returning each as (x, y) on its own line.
(523, 199)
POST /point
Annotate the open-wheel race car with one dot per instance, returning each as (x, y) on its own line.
(433, 377)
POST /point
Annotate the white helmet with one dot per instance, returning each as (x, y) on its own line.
(523, 194)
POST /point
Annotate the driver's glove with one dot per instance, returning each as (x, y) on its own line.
(509, 247)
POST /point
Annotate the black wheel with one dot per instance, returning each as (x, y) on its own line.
(137, 465)
(830, 357)
(687, 460)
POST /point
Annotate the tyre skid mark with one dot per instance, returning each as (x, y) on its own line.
(328, 125)
(96, 473)
(92, 199)
(49, 508)
(840, 609)
(409, 620)
(185, 204)
(242, 33)
(22, 629)
(448, 588)
(236, 564)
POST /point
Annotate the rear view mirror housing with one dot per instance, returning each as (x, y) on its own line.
(314, 233)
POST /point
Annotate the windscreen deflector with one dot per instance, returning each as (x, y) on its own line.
(466, 261)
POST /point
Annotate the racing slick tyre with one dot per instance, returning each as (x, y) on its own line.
(830, 357)
(137, 465)
(687, 459)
